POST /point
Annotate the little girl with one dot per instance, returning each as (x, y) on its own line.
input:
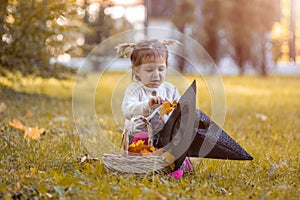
(149, 59)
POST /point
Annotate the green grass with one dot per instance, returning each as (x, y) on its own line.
(274, 144)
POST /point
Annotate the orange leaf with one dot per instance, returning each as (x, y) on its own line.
(28, 114)
(17, 125)
(140, 148)
(2, 107)
(33, 170)
(167, 107)
(33, 133)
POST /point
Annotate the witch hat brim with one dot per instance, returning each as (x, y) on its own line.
(211, 141)
(177, 134)
(200, 137)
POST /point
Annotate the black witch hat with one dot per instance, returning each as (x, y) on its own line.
(190, 132)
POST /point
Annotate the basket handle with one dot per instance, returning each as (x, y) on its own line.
(128, 129)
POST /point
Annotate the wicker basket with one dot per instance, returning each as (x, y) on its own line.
(136, 164)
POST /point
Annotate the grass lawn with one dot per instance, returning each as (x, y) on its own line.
(262, 115)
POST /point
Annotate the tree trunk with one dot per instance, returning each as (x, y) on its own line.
(292, 46)
(181, 57)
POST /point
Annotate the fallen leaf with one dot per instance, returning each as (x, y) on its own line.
(87, 159)
(261, 116)
(160, 197)
(275, 137)
(33, 133)
(17, 125)
(166, 108)
(33, 170)
(28, 114)
(2, 107)
(17, 187)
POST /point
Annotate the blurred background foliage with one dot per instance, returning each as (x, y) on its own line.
(35, 31)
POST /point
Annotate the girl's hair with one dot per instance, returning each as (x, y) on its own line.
(148, 51)
(145, 51)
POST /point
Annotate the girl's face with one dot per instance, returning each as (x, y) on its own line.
(152, 74)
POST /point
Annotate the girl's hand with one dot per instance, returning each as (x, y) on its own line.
(155, 100)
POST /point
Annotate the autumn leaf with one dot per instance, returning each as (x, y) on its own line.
(28, 114)
(17, 125)
(33, 170)
(140, 148)
(166, 108)
(33, 133)
(87, 159)
(2, 107)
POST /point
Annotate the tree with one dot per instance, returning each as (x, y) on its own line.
(292, 42)
(208, 34)
(36, 30)
(267, 13)
(183, 15)
(248, 31)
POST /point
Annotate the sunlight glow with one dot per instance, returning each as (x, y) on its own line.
(64, 58)
(135, 13)
(80, 41)
(62, 21)
(115, 12)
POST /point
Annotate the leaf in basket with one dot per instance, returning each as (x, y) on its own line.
(140, 148)
(167, 107)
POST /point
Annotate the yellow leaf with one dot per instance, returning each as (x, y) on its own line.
(17, 125)
(33, 133)
(275, 137)
(139, 148)
(166, 108)
(33, 170)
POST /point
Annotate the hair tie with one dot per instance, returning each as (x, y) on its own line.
(125, 48)
(171, 42)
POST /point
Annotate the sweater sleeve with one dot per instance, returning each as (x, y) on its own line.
(132, 105)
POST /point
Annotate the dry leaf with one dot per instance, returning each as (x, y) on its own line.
(28, 114)
(275, 137)
(17, 125)
(160, 197)
(33, 170)
(166, 108)
(17, 187)
(33, 133)
(2, 107)
(86, 159)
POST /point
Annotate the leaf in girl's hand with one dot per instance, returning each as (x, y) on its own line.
(17, 125)
(167, 107)
(33, 133)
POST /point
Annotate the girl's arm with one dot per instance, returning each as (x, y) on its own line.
(132, 105)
